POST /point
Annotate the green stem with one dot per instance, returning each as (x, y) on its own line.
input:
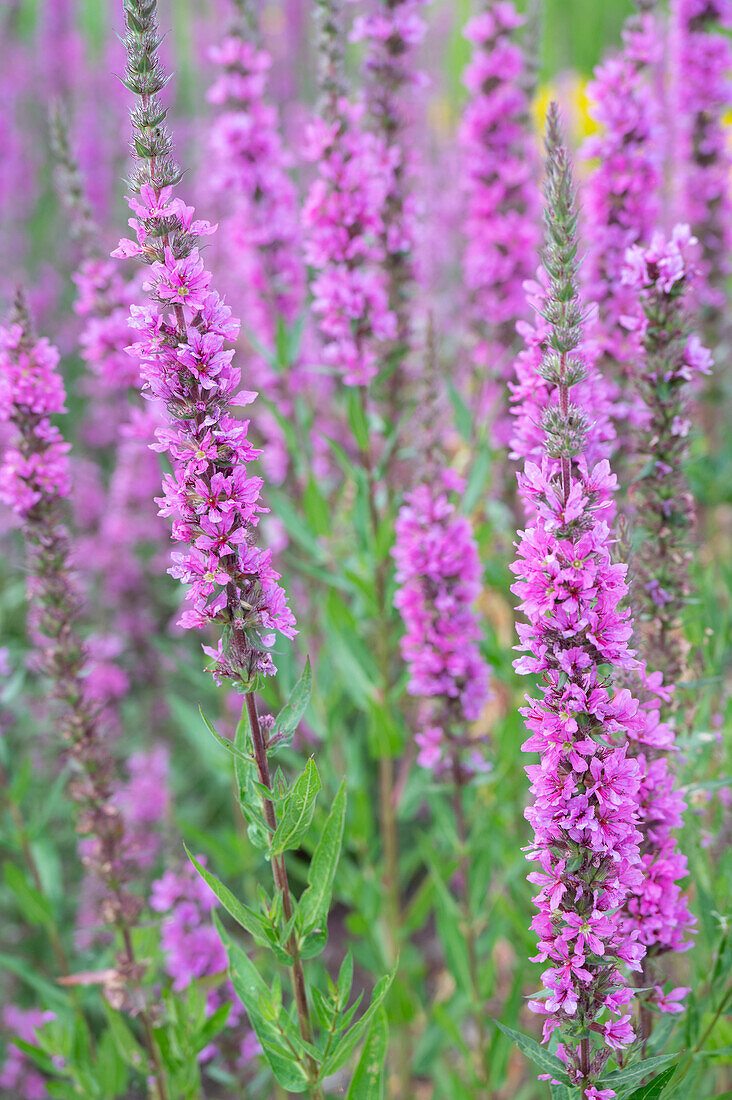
(458, 789)
(279, 872)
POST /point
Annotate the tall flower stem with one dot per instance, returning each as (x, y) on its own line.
(279, 873)
(459, 780)
(36, 479)
(387, 809)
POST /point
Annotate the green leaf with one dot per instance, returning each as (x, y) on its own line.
(250, 921)
(350, 1040)
(368, 1080)
(33, 905)
(631, 1075)
(463, 416)
(230, 746)
(357, 417)
(315, 901)
(477, 480)
(253, 993)
(313, 944)
(298, 812)
(291, 714)
(317, 509)
(547, 1062)
(51, 995)
(561, 1092)
(127, 1046)
(213, 1025)
(654, 1088)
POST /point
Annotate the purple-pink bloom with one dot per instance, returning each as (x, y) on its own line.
(344, 227)
(702, 59)
(438, 573)
(621, 197)
(499, 165)
(185, 365)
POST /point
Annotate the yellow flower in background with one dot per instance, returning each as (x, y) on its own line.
(570, 91)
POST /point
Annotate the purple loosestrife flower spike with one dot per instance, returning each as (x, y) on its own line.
(393, 31)
(585, 786)
(622, 192)
(670, 361)
(703, 96)
(344, 226)
(500, 169)
(215, 503)
(439, 577)
(182, 336)
(34, 481)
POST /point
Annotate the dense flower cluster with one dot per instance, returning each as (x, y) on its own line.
(669, 362)
(214, 502)
(393, 31)
(656, 910)
(703, 97)
(103, 302)
(438, 572)
(499, 169)
(621, 195)
(585, 787)
(250, 168)
(343, 219)
(35, 466)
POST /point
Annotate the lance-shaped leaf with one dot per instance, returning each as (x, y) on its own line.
(368, 1080)
(291, 714)
(315, 901)
(230, 746)
(653, 1089)
(547, 1062)
(250, 921)
(350, 1040)
(631, 1075)
(297, 814)
(279, 1038)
